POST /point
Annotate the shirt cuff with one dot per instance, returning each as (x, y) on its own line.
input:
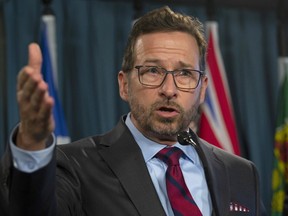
(31, 161)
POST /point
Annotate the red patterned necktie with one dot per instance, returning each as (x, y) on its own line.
(180, 198)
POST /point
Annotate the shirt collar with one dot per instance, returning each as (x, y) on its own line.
(149, 148)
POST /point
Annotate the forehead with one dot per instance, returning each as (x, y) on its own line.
(167, 46)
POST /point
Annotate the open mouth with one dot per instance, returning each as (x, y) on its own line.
(167, 112)
(167, 109)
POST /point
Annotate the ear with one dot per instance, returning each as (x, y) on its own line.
(204, 84)
(123, 85)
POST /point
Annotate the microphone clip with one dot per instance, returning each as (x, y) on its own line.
(185, 138)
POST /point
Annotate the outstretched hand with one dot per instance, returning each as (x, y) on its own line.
(35, 104)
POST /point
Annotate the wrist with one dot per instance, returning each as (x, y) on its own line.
(27, 143)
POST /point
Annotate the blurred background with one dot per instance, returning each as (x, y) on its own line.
(90, 39)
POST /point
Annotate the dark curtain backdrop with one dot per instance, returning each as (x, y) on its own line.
(91, 38)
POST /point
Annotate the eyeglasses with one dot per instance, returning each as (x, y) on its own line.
(184, 79)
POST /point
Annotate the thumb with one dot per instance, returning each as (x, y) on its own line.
(34, 56)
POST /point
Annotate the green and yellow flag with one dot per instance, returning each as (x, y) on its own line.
(280, 171)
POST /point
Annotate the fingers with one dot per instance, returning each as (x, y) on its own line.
(33, 96)
(33, 67)
(35, 103)
(45, 110)
(34, 57)
(30, 83)
(39, 95)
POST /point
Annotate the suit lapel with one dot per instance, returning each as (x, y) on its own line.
(125, 159)
(217, 179)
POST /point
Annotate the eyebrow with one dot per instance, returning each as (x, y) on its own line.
(157, 61)
(160, 62)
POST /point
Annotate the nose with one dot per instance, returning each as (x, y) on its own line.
(168, 88)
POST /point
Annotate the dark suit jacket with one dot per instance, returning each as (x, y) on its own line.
(106, 175)
(3, 204)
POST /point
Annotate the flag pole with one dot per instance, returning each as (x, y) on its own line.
(281, 30)
(281, 37)
(48, 18)
(47, 7)
(48, 44)
(138, 9)
(210, 10)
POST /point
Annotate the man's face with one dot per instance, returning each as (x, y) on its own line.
(161, 112)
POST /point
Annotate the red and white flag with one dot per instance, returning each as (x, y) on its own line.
(217, 122)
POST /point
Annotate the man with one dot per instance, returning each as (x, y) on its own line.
(129, 170)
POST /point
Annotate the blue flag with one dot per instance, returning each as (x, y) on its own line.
(61, 131)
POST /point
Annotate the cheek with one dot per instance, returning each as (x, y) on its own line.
(189, 104)
(137, 90)
(192, 101)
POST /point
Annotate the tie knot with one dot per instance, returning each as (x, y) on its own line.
(170, 156)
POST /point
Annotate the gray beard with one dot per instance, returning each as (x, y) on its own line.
(164, 127)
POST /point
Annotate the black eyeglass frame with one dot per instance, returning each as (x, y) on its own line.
(138, 67)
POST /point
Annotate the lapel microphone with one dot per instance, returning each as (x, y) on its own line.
(185, 138)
